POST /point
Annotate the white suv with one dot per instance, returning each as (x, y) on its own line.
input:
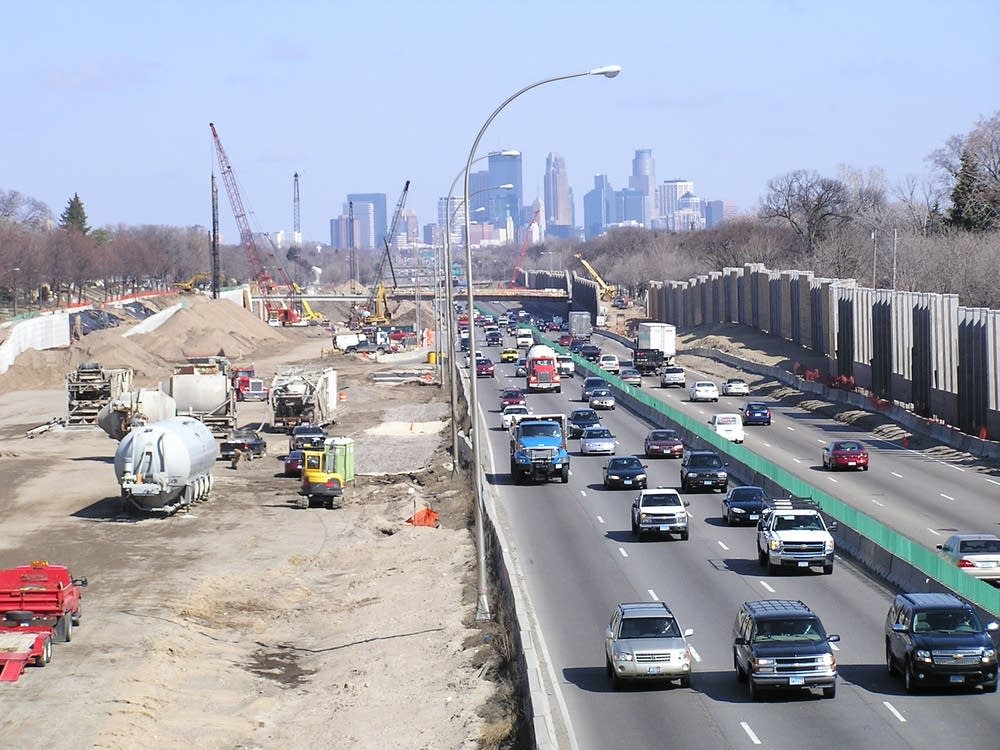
(671, 377)
(609, 363)
(660, 510)
(644, 641)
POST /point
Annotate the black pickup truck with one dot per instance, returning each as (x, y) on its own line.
(647, 361)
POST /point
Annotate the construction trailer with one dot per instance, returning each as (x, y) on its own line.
(90, 387)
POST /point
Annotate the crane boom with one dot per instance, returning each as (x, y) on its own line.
(608, 291)
(524, 247)
(378, 301)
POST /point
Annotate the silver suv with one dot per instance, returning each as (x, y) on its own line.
(645, 642)
(659, 511)
(671, 377)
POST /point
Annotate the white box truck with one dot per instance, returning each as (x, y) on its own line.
(659, 336)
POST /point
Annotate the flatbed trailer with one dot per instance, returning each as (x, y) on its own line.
(22, 644)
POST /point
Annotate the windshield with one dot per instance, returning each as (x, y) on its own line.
(747, 495)
(598, 433)
(847, 447)
(705, 462)
(649, 627)
(979, 546)
(660, 499)
(663, 435)
(616, 464)
(947, 621)
(726, 420)
(540, 430)
(807, 522)
(799, 629)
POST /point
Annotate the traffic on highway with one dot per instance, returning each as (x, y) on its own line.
(755, 674)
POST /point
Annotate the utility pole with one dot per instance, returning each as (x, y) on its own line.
(895, 244)
(874, 254)
(215, 239)
(353, 254)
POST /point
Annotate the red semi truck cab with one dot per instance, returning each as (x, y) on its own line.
(49, 592)
(542, 370)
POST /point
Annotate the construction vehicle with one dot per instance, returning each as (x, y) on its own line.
(203, 390)
(90, 387)
(274, 285)
(607, 291)
(300, 396)
(525, 243)
(378, 313)
(246, 383)
(196, 282)
(52, 597)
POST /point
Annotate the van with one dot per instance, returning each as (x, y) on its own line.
(524, 338)
(729, 426)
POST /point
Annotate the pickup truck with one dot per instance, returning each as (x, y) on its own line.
(49, 592)
(248, 441)
(647, 361)
(538, 449)
(792, 534)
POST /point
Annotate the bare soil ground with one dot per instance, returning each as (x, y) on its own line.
(249, 621)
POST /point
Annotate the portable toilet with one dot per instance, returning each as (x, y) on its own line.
(341, 451)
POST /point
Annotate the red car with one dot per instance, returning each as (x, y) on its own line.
(565, 340)
(293, 463)
(484, 368)
(512, 396)
(845, 454)
(664, 443)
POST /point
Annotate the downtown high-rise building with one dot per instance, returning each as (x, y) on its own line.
(451, 219)
(373, 232)
(643, 180)
(504, 169)
(599, 208)
(717, 212)
(558, 196)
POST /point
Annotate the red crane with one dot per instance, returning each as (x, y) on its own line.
(280, 309)
(524, 248)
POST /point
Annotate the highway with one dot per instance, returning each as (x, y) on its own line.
(574, 553)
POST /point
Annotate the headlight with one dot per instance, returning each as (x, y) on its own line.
(721, 475)
(622, 655)
(614, 476)
(763, 665)
(640, 476)
(828, 660)
(737, 510)
(923, 655)
(774, 545)
(828, 547)
(643, 516)
(989, 654)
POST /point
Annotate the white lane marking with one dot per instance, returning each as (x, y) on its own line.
(832, 480)
(624, 553)
(583, 492)
(767, 445)
(946, 497)
(797, 460)
(835, 647)
(893, 711)
(898, 476)
(767, 586)
(600, 520)
(753, 737)
(791, 429)
(956, 468)
(881, 505)
(935, 533)
(993, 481)
(652, 595)
(821, 441)
(695, 654)
(723, 545)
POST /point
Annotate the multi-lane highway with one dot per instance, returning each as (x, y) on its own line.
(575, 555)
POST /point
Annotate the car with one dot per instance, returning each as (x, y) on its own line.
(609, 363)
(510, 415)
(735, 387)
(590, 352)
(365, 347)
(521, 368)
(576, 345)
(703, 390)
(631, 376)
(494, 338)
(975, 554)
(703, 469)
(246, 440)
(485, 368)
(672, 377)
(660, 511)
(565, 339)
(937, 639)
(592, 384)
(729, 426)
(845, 454)
(602, 398)
(625, 472)
(293, 463)
(754, 412)
(781, 645)
(581, 419)
(509, 355)
(663, 443)
(644, 641)
(468, 358)
(511, 396)
(596, 440)
(306, 437)
(743, 505)
(566, 365)
(524, 338)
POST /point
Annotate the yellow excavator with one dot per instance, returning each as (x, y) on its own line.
(608, 292)
(195, 282)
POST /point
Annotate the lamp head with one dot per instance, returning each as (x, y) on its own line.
(506, 186)
(510, 153)
(608, 71)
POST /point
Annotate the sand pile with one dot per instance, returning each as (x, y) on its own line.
(203, 326)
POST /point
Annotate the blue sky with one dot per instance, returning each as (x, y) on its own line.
(112, 100)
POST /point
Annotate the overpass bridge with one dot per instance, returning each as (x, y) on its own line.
(429, 293)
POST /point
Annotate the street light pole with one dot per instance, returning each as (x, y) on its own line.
(482, 602)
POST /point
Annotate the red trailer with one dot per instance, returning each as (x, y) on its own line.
(22, 643)
(49, 592)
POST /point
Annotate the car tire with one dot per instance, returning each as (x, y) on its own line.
(565, 474)
(684, 535)
(890, 665)
(741, 676)
(990, 687)
(909, 681)
(686, 681)
(830, 692)
(767, 423)
(761, 557)
(828, 569)
(726, 519)
(635, 530)
(864, 468)
(752, 692)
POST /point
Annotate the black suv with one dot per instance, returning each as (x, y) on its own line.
(590, 352)
(937, 639)
(703, 469)
(307, 437)
(780, 644)
(581, 419)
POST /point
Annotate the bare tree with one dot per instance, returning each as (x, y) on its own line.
(810, 203)
(23, 209)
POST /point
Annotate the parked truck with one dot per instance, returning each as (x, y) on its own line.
(246, 384)
(580, 326)
(52, 596)
(166, 465)
(538, 449)
(301, 396)
(205, 392)
(542, 370)
(659, 336)
(90, 387)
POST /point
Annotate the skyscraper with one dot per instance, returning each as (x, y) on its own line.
(504, 169)
(643, 180)
(598, 207)
(558, 196)
(670, 195)
(379, 219)
(364, 217)
(445, 211)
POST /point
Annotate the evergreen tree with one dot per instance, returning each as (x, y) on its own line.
(971, 206)
(74, 217)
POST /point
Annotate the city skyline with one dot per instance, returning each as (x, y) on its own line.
(121, 118)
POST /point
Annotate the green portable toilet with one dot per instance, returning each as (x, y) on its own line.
(342, 449)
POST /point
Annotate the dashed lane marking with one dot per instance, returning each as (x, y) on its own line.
(750, 733)
(694, 654)
(898, 476)
(946, 497)
(652, 595)
(893, 711)
(723, 545)
(767, 586)
(624, 553)
(600, 519)
(935, 533)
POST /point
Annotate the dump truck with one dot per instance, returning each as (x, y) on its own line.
(90, 387)
(49, 592)
(538, 449)
(301, 396)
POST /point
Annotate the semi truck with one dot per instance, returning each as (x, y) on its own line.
(301, 396)
(659, 336)
(580, 326)
(542, 370)
(538, 449)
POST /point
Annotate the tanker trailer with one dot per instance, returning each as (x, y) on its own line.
(165, 465)
(205, 394)
(134, 409)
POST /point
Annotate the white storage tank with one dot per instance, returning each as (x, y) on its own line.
(198, 393)
(166, 465)
(135, 408)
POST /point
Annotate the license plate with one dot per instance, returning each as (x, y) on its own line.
(955, 678)
(796, 680)
(707, 482)
(664, 528)
(803, 564)
(988, 564)
(753, 517)
(628, 481)
(652, 670)
(852, 463)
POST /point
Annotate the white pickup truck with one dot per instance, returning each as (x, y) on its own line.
(792, 534)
